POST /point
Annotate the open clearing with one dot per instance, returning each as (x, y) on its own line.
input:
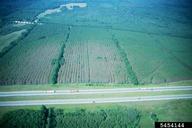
(7, 39)
(97, 59)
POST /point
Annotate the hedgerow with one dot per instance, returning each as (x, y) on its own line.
(131, 74)
(57, 63)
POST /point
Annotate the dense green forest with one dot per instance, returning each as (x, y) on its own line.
(59, 118)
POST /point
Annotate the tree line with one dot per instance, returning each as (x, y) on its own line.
(120, 117)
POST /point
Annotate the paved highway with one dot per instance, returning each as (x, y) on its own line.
(95, 100)
(92, 91)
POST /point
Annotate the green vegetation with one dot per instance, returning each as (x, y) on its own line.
(55, 69)
(51, 122)
(142, 113)
(22, 118)
(44, 116)
(57, 118)
(154, 117)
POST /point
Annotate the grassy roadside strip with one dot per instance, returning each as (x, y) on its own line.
(86, 96)
(87, 86)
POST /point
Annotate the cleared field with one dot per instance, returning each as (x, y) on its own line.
(7, 39)
(91, 57)
(30, 61)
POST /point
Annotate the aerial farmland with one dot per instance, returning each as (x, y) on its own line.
(100, 42)
(70, 49)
